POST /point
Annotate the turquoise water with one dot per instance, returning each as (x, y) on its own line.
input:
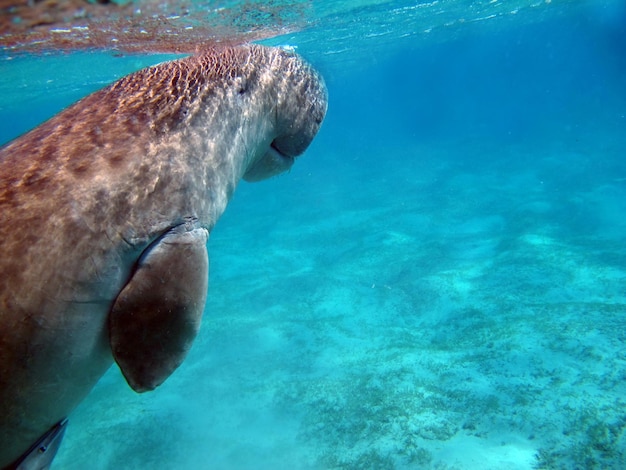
(440, 282)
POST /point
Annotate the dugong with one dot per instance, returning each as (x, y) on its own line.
(105, 214)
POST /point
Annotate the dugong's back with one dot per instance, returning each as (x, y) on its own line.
(119, 184)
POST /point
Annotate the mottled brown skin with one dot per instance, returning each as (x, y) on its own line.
(105, 212)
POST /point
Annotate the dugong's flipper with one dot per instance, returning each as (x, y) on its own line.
(157, 315)
(42, 452)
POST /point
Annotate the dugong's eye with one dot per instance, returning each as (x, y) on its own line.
(241, 85)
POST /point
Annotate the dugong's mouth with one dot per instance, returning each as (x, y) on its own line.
(272, 163)
(276, 153)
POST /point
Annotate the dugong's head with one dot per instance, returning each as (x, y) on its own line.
(279, 99)
(297, 105)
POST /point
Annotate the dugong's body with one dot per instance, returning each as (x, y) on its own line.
(105, 212)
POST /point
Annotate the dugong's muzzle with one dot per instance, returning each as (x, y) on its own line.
(302, 103)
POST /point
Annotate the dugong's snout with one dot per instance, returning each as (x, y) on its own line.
(302, 103)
